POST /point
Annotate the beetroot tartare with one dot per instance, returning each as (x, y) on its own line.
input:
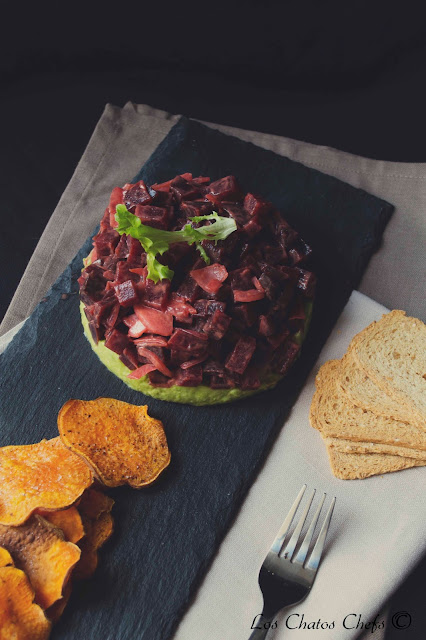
(195, 291)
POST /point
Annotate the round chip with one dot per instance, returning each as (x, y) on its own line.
(20, 618)
(5, 558)
(68, 520)
(98, 531)
(39, 549)
(44, 476)
(120, 441)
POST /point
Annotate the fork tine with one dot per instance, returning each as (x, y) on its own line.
(279, 540)
(315, 556)
(291, 545)
(301, 554)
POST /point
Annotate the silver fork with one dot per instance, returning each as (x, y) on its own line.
(285, 581)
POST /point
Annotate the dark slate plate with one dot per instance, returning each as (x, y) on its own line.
(166, 535)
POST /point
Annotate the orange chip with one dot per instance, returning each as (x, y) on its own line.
(120, 441)
(39, 549)
(20, 618)
(97, 533)
(44, 476)
(94, 502)
(69, 520)
(5, 558)
(55, 611)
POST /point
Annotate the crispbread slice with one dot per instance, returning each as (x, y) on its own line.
(334, 415)
(352, 466)
(364, 393)
(349, 446)
(392, 352)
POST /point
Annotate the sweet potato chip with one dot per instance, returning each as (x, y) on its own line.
(20, 618)
(94, 502)
(55, 611)
(39, 549)
(69, 520)
(97, 533)
(120, 441)
(44, 476)
(5, 558)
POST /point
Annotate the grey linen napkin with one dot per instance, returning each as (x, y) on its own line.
(125, 138)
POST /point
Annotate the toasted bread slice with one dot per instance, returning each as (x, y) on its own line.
(349, 446)
(392, 353)
(364, 393)
(352, 466)
(335, 416)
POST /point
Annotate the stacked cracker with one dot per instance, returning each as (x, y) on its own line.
(370, 406)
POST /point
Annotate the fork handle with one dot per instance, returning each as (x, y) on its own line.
(261, 627)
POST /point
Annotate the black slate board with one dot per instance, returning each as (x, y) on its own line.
(166, 535)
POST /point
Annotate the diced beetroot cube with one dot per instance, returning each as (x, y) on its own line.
(115, 199)
(92, 284)
(241, 355)
(274, 255)
(105, 242)
(306, 282)
(157, 379)
(250, 379)
(225, 189)
(245, 314)
(96, 333)
(237, 212)
(123, 273)
(252, 227)
(189, 289)
(184, 189)
(161, 198)
(134, 249)
(217, 325)
(129, 358)
(196, 208)
(105, 222)
(210, 278)
(138, 194)
(241, 279)
(221, 382)
(191, 377)
(122, 249)
(157, 217)
(126, 293)
(157, 294)
(278, 338)
(287, 356)
(112, 318)
(266, 326)
(116, 341)
(255, 205)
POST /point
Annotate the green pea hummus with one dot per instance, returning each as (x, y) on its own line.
(201, 395)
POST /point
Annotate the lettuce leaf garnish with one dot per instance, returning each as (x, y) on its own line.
(156, 241)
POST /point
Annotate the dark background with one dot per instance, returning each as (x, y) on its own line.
(348, 75)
